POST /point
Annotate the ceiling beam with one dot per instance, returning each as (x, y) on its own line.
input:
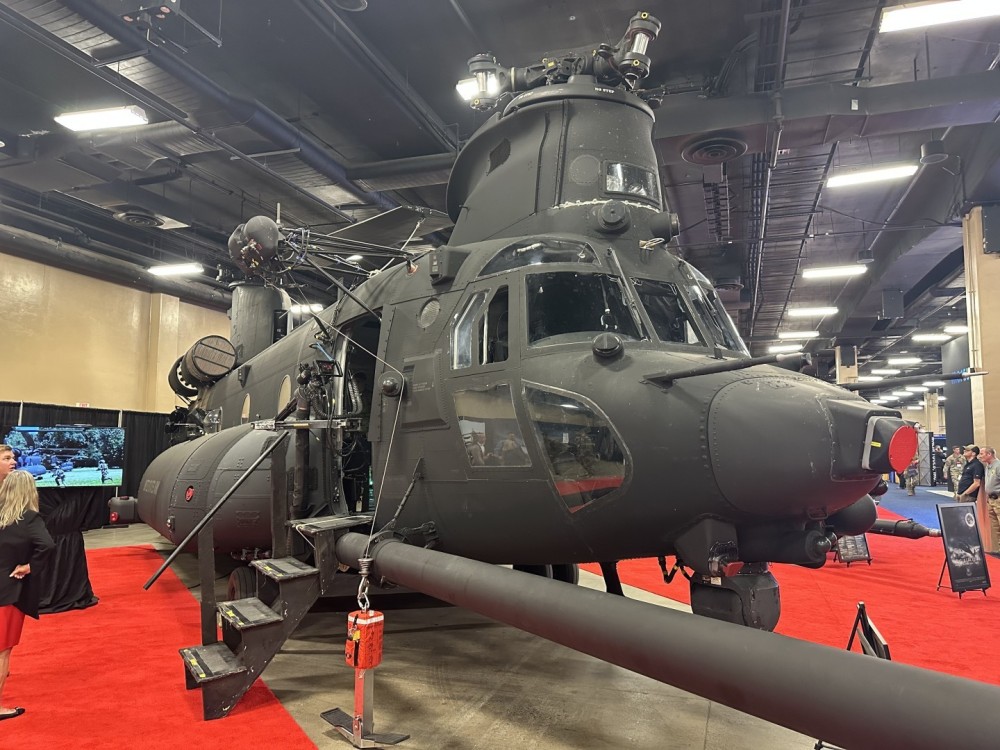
(825, 113)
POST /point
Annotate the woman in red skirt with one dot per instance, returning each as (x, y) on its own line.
(24, 544)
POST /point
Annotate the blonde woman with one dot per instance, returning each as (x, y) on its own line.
(24, 544)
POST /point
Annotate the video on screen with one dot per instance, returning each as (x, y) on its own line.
(69, 456)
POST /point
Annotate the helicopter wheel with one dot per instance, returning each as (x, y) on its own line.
(242, 583)
(568, 573)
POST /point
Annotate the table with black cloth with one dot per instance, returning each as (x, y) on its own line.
(68, 512)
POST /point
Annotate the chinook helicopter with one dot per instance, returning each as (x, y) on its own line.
(553, 386)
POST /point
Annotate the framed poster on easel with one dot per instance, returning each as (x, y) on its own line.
(963, 548)
(852, 549)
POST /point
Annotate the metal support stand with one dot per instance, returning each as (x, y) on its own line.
(358, 728)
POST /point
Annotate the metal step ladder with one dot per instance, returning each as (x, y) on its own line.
(253, 631)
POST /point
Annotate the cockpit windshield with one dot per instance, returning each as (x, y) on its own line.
(667, 312)
(707, 306)
(566, 306)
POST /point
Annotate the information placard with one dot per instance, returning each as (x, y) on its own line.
(853, 548)
(963, 547)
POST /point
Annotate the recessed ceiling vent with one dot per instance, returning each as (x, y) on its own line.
(713, 150)
(137, 216)
(728, 283)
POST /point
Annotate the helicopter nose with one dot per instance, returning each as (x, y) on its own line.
(784, 447)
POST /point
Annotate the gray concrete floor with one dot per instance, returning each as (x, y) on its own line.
(454, 680)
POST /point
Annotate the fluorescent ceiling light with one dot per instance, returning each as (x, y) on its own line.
(795, 335)
(871, 175)
(930, 337)
(811, 312)
(918, 15)
(300, 309)
(102, 119)
(934, 383)
(178, 269)
(355, 257)
(942, 398)
(878, 401)
(890, 398)
(921, 403)
(833, 272)
(886, 371)
(783, 348)
(901, 394)
(917, 388)
(914, 407)
(956, 329)
(870, 378)
(904, 360)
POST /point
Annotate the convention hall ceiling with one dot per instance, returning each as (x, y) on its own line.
(337, 115)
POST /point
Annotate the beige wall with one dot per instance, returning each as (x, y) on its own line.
(69, 338)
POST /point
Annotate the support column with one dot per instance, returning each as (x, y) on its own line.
(932, 413)
(982, 280)
(847, 364)
(161, 351)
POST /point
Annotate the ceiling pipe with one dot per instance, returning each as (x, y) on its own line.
(432, 169)
(151, 101)
(923, 198)
(343, 35)
(35, 247)
(772, 162)
(250, 114)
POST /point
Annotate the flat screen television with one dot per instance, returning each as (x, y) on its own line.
(69, 455)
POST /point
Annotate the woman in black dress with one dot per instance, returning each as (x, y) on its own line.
(24, 544)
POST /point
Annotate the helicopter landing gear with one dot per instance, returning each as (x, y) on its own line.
(748, 598)
(242, 584)
(565, 572)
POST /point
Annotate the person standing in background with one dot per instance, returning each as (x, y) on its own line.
(912, 472)
(953, 466)
(7, 461)
(972, 476)
(991, 484)
(24, 545)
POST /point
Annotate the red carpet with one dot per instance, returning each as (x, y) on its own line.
(110, 676)
(924, 627)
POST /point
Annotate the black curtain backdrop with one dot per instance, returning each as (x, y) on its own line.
(70, 511)
(145, 439)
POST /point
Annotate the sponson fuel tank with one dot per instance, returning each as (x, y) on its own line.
(181, 483)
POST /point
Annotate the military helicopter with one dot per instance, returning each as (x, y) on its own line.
(553, 386)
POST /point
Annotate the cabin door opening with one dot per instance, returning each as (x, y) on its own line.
(356, 399)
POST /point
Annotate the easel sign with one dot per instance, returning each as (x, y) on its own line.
(852, 549)
(963, 548)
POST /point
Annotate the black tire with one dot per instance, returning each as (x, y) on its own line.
(545, 571)
(566, 572)
(242, 584)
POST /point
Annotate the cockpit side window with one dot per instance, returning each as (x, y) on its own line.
(667, 312)
(494, 338)
(566, 306)
(583, 453)
(462, 329)
(490, 432)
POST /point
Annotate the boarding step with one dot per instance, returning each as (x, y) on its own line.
(212, 662)
(313, 526)
(284, 568)
(243, 614)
